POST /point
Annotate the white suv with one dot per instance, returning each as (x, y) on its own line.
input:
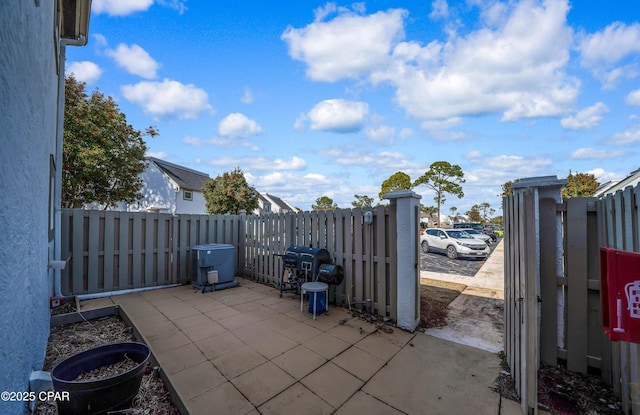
(453, 242)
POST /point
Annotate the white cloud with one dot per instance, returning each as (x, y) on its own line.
(473, 155)
(134, 60)
(247, 97)
(287, 185)
(509, 69)
(495, 171)
(84, 71)
(348, 46)
(158, 154)
(406, 133)
(502, 68)
(178, 5)
(610, 45)
(587, 118)
(440, 9)
(630, 136)
(604, 176)
(379, 163)
(221, 142)
(633, 98)
(590, 153)
(120, 7)
(237, 125)
(604, 52)
(338, 115)
(100, 40)
(168, 99)
(192, 141)
(260, 163)
(381, 133)
(126, 7)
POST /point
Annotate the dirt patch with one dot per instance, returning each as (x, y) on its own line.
(67, 340)
(435, 297)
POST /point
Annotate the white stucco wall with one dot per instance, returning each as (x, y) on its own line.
(28, 105)
(196, 206)
(157, 192)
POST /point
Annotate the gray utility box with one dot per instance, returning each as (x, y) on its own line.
(212, 266)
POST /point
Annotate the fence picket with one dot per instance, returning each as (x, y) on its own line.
(576, 254)
(109, 248)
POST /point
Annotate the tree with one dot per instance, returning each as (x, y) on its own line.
(485, 211)
(397, 181)
(580, 185)
(474, 214)
(102, 155)
(507, 188)
(430, 211)
(230, 193)
(453, 211)
(443, 178)
(362, 201)
(324, 203)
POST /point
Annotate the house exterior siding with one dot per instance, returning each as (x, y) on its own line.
(28, 116)
(197, 204)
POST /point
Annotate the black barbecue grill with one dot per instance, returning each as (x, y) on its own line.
(302, 264)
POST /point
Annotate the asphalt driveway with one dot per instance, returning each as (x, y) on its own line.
(436, 262)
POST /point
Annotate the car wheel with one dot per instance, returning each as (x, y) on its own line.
(451, 252)
(425, 246)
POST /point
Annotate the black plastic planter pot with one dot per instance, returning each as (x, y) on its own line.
(101, 395)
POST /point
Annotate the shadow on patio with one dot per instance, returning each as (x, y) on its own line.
(245, 350)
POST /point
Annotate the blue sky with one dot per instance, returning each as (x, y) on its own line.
(315, 98)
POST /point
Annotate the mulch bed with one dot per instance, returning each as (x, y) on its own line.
(67, 340)
(435, 297)
(562, 392)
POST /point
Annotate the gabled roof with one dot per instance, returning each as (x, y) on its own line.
(284, 206)
(184, 177)
(611, 187)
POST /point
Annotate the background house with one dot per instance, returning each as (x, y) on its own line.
(611, 187)
(31, 111)
(170, 188)
(272, 204)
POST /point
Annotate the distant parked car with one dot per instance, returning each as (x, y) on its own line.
(479, 235)
(454, 243)
(493, 230)
(468, 225)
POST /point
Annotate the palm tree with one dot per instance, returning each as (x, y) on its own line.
(453, 211)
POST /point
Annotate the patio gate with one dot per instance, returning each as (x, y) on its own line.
(552, 285)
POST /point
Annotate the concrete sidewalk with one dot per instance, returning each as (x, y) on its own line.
(245, 350)
(476, 316)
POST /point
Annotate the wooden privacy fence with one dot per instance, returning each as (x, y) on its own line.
(111, 250)
(552, 286)
(366, 251)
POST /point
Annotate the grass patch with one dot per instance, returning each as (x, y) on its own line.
(435, 296)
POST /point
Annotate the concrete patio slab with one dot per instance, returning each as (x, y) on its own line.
(296, 400)
(432, 377)
(245, 350)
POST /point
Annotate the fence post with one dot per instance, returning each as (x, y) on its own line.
(407, 266)
(527, 280)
